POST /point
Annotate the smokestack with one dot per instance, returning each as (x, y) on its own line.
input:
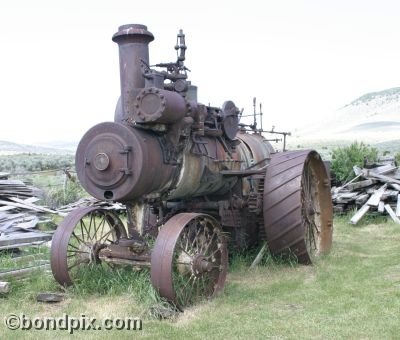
(133, 41)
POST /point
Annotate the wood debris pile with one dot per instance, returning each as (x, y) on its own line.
(19, 215)
(372, 190)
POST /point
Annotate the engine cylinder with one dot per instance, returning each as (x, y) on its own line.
(159, 106)
(116, 162)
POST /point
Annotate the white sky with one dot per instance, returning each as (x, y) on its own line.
(303, 59)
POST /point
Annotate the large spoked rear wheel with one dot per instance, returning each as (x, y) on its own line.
(78, 240)
(189, 261)
(298, 213)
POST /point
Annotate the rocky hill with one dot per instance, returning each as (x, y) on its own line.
(373, 117)
(14, 148)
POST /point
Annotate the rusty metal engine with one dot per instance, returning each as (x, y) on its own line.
(193, 177)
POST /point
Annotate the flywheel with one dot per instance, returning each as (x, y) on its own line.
(297, 205)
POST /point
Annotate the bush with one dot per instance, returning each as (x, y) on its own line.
(397, 158)
(28, 162)
(344, 158)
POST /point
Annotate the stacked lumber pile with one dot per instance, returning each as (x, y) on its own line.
(371, 190)
(19, 215)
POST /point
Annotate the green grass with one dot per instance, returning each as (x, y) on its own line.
(354, 292)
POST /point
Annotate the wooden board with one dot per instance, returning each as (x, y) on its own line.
(360, 213)
(23, 271)
(4, 287)
(13, 240)
(376, 196)
(388, 208)
(361, 184)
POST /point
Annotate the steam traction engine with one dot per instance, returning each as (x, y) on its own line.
(192, 177)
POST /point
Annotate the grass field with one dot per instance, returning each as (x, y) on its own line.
(352, 293)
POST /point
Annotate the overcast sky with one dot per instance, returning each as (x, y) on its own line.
(303, 59)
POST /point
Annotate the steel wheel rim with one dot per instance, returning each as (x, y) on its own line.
(189, 261)
(297, 206)
(78, 239)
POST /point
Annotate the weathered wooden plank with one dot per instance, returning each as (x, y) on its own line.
(390, 211)
(31, 200)
(384, 169)
(10, 240)
(389, 194)
(337, 190)
(259, 256)
(21, 245)
(361, 184)
(338, 208)
(360, 200)
(395, 186)
(24, 222)
(357, 170)
(382, 178)
(4, 287)
(347, 195)
(376, 197)
(33, 206)
(381, 207)
(21, 205)
(11, 182)
(398, 206)
(8, 216)
(6, 208)
(360, 213)
(28, 226)
(23, 271)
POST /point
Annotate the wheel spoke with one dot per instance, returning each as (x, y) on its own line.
(103, 224)
(78, 238)
(83, 224)
(77, 263)
(106, 234)
(77, 251)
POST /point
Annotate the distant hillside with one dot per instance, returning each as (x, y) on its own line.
(389, 94)
(59, 145)
(14, 148)
(373, 117)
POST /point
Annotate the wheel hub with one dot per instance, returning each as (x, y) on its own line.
(201, 265)
(184, 262)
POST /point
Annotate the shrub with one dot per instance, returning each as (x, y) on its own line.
(28, 162)
(397, 158)
(344, 158)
